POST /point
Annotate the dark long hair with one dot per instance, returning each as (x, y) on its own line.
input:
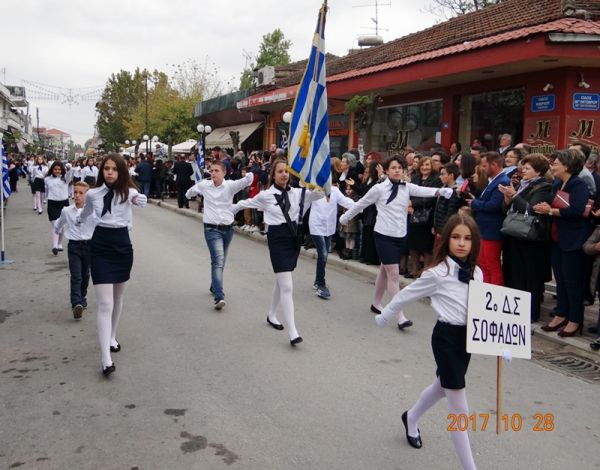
(124, 181)
(56, 163)
(443, 249)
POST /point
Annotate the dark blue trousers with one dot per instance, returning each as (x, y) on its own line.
(568, 267)
(79, 265)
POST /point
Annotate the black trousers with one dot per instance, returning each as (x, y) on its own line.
(79, 266)
(181, 199)
(569, 273)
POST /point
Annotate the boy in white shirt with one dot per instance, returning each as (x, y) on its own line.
(79, 235)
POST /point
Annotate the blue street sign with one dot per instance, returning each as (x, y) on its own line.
(542, 103)
(586, 101)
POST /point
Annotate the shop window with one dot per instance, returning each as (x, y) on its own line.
(417, 125)
(487, 116)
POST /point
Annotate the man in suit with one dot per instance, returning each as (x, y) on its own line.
(144, 175)
(183, 172)
(488, 213)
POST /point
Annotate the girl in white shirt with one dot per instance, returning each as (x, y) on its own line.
(110, 247)
(391, 197)
(57, 191)
(38, 172)
(446, 282)
(281, 238)
(89, 173)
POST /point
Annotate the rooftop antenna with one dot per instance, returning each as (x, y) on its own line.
(248, 57)
(373, 40)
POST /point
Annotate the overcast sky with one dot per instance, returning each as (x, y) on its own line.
(78, 44)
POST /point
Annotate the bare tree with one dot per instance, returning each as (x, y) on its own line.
(449, 8)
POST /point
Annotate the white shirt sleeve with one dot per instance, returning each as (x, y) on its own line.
(194, 190)
(60, 222)
(425, 286)
(257, 202)
(360, 205)
(421, 191)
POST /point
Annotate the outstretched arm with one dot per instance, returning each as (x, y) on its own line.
(364, 202)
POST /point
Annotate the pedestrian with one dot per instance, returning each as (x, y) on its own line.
(183, 172)
(110, 247)
(89, 173)
(38, 172)
(446, 283)
(79, 236)
(218, 196)
(281, 206)
(144, 175)
(391, 197)
(56, 185)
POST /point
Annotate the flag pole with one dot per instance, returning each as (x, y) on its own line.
(3, 259)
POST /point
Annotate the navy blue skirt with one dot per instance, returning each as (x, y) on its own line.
(283, 249)
(389, 249)
(55, 208)
(38, 185)
(449, 344)
(111, 255)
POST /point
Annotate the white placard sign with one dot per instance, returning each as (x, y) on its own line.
(498, 318)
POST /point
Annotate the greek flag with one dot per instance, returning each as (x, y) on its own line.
(308, 153)
(199, 161)
(5, 183)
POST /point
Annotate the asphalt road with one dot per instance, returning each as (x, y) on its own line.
(200, 389)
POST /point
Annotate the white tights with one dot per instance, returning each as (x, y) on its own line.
(388, 279)
(283, 297)
(57, 239)
(37, 201)
(109, 298)
(457, 404)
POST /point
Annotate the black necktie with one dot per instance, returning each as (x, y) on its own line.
(283, 200)
(40, 167)
(108, 197)
(464, 270)
(394, 192)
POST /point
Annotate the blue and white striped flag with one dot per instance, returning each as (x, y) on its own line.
(308, 153)
(5, 183)
(199, 161)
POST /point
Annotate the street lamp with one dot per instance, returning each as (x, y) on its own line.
(203, 131)
(146, 139)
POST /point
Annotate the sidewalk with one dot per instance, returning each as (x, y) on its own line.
(370, 273)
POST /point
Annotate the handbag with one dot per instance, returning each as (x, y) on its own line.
(561, 201)
(524, 226)
(420, 216)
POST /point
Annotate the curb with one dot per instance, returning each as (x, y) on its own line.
(370, 273)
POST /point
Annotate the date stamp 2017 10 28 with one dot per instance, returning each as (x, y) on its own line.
(542, 422)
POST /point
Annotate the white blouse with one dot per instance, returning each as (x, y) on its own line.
(323, 213)
(120, 214)
(57, 189)
(218, 199)
(265, 201)
(68, 219)
(89, 171)
(449, 296)
(391, 218)
(39, 171)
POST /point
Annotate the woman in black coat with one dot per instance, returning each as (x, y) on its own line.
(368, 252)
(525, 260)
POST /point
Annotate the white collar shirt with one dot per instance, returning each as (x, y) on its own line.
(57, 188)
(265, 201)
(392, 217)
(323, 213)
(120, 214)
(89, 171)
(39, 171)
(449, 296)
(67, 222)
(218, 199)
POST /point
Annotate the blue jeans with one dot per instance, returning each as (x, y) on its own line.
(218, 241)
(79, 266)
(145, 187)
(322, 244)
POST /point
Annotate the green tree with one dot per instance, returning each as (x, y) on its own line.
(273, 50)
(246, 79)
(449, 8)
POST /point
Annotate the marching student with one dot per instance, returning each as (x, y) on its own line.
(281, 206)
(218, 220)
(56, 186)
(446, 282)
(110, 247)
(79, 236)
(89, 173)
(39, 170)
(391, 197)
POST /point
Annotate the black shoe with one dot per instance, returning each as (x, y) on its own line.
(275, 325)
(405, 324)
(108, 370)
(409, 276)
(595, 345)
(60, 249)
(296, 341)
(413, 441)
(116, 348)
(55, 251)
(77, 311)
(375, 310)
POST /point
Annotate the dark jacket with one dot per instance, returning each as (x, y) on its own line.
(444, 208)
(488, 209)
(183, 172)
(144, 171)
(573, 228)
(537, 191)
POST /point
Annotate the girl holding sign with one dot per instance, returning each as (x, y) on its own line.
(446, 282)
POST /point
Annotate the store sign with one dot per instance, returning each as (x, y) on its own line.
(583, 129)
(542, 134)
(543, 103)
(338, 125)
(586, 102)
